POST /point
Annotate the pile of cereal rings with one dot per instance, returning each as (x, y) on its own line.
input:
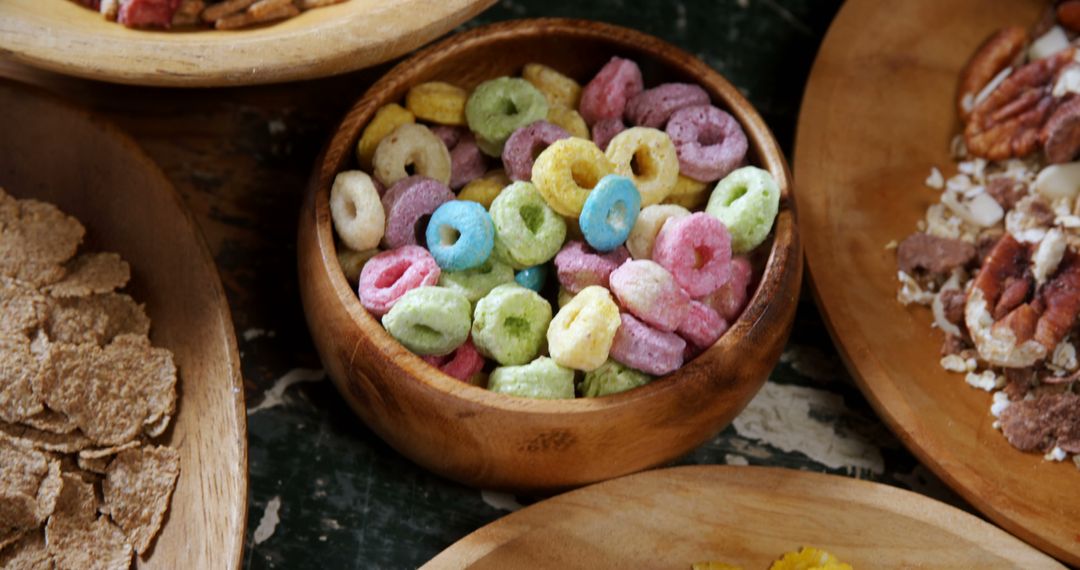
(455, 256)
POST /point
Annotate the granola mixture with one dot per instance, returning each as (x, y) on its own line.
(82, 394)
(997, 258)
(219, 14)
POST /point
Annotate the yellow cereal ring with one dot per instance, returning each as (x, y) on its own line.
(688, 193)
(438, 102)
(483, 190)
(411, 145)
(564, 297)
(581, 334)
(557, 88)
(646, 156)
(386, 119)
(352, 261)
(570, 121)
(567, 171)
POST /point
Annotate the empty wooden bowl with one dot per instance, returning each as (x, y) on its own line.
(63, 36)
(60, 154)
(492, 440)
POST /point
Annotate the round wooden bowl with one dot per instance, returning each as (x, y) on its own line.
(496, 441)
(102, 177)
(63, 36)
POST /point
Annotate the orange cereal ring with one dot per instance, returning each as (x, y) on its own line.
(437, 102)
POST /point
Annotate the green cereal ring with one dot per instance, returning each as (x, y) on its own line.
(541, 378)
(527, 231)
(499, 107)
(746, 201)
(430, 321)
(567, 170)
(477, 282)
(612, 378)
(509, 324)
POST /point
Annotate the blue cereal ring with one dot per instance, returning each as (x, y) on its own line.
(460, 235)
(609, 212)
(532, 277)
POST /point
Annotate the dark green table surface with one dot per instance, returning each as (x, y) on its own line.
(325, 492)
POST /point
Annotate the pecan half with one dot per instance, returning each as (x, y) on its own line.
(1061, 295)
(992, 57)
(1061, 134)
(1009, 122)
(1068, 14)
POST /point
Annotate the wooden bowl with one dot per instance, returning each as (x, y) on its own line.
(492, 440)
(878, 113)
(54, 152)
(746, 516)
(63, 36)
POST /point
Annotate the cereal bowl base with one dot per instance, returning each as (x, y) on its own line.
(496, 441)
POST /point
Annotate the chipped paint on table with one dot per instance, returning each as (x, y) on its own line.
(325, 491)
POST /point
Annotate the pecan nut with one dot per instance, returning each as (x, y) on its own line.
(1061, 134)
(1009, 122)
(1068, 14)
(993, 56)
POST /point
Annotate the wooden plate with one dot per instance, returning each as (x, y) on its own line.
(877, 114)
(747, 516)
(63, 36)
(55, 152)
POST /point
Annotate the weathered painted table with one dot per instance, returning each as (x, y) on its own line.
(327, 493)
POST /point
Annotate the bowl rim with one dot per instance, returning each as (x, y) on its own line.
(785, 252)
(317, 47)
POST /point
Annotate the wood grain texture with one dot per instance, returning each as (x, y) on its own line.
(878, 113)
(61, 35)
(748, 516)
(496, 441)
(57, 153)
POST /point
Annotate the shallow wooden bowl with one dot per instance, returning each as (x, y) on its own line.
(63, 36)
(878, 113)
(496, 441)
(746, 516)
(54, 152)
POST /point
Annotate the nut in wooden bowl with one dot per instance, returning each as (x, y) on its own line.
(492, 440)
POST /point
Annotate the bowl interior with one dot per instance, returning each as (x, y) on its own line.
(101, 177)
(879, 112)
(577, 49)
(63, 36)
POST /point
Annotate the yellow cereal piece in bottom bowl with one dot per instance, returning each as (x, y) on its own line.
(581, 334)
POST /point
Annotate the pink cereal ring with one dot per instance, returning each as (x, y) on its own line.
(696, 249)
(649, 291)
(406, 203)
(640, 346)
(448, 135)
(467, 163)
(464, 363)
(702, 326)
(730, 300)
(605, 130)
(653, 107)
(580, 266)
(605, 97)
(710, 143)
(391, 274)
(525, 144)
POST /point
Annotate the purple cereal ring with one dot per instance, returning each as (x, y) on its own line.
(730, 300)
(467, 163)
(406, 203)
(710, 143)
(391, 274)
(605, 130)
(653, 107)
(525, 144)
(449, 135)
(580, 266)
(696, 249)
(644, 348)
(702, 326)
(647, 290)
(606, 95)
